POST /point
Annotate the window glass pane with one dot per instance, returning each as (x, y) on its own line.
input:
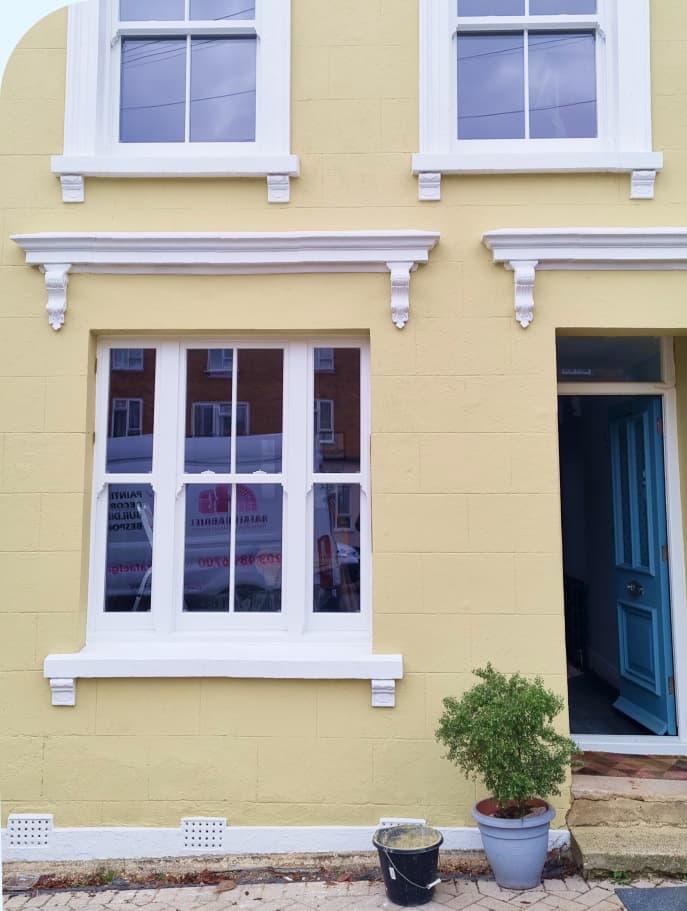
(223, 90)
(260, 406)
(207, 547)
(491, 7)
(131, 412)
(129, 555)
(336, 548)
(137, 10)
(491, 87)
(337, 446)
(635, 359)
(258, 548)
(222, 9)
(557, 7)
(153, 90)
(562, 67)
(208, 413)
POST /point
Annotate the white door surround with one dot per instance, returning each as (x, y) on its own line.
(650, 744)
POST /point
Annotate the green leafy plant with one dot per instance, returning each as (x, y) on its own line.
(501, 731)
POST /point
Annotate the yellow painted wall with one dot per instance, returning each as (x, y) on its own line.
(466, 527)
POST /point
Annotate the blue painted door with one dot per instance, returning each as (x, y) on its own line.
(645, 649)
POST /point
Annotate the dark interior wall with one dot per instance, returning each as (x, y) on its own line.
(587, 509)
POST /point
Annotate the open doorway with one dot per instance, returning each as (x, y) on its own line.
(617, 601)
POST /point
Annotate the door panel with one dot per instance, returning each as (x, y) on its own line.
(641, 574)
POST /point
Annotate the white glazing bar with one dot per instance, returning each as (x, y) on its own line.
(526, 65)
(187, 111)
(236, 366)
(165, 473)
(298, 441)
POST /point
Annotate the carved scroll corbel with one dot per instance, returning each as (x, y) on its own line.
(525, 273)
(56, 281)
(400, 291)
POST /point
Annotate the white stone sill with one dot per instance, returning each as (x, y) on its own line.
(175, 166)
(532, 162)
(212, 659)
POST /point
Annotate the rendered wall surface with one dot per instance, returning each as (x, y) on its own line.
(466, 515)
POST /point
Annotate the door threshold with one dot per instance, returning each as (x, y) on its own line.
(607, 768)
(631, 744)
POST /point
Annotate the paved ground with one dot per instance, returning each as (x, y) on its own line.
(571, 894)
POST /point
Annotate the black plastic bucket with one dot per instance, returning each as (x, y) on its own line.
(409, 856)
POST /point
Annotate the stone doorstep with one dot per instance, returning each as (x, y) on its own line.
(606, 801)
(631, 849)
(599, 787)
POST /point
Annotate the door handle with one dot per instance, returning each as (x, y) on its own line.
(636, 589)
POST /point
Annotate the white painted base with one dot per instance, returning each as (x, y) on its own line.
(109, 843)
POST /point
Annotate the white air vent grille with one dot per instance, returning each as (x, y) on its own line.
(203, 831)
(387, 821)
(29, 829)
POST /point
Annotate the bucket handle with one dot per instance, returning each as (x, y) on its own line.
(403, 876)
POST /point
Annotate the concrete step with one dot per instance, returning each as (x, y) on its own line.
(641, 849)
(599, 801)
(635, 825)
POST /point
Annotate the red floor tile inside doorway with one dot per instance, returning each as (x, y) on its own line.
(616, 765)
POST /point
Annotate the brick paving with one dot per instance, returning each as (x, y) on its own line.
(570, 894)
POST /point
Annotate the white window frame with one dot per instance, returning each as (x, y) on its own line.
(166, 624)
(624, 143)
(242, 416)
(91, 142)
(120, 404)
(324, 431)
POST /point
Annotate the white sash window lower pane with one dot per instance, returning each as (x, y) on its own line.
(215, 507)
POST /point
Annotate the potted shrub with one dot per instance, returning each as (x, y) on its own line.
(501, 732)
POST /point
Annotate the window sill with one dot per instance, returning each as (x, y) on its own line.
(641, 165)
(278, 169)
(287, 661)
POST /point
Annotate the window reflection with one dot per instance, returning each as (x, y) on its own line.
(131, 410)
(258, 548)
(207, 549)
(337, 411)
(260, 390)
(336, 550)
(129, 554)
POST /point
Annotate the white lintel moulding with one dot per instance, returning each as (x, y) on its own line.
(526, 251)
(60, 254)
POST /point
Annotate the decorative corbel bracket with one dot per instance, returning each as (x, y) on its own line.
(56, 282)
(278, 188)
(525, 273)
(400, 292)
(383, 694)
(63, 690)
(642, 184)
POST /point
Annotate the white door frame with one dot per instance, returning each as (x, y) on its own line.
(639, 743)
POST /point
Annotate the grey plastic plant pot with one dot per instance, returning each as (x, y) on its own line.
(515, 848)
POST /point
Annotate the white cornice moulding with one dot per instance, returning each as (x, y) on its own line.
(61, 253)
(525, 251)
